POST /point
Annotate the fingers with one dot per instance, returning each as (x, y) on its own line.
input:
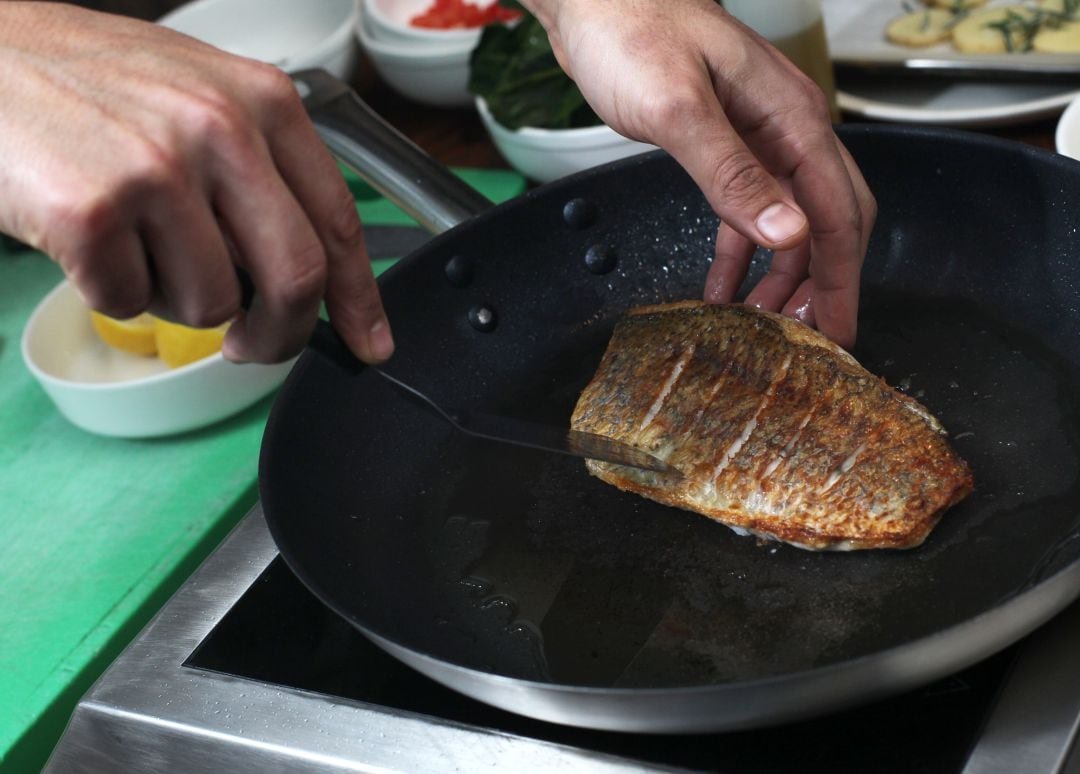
(284, 258)
(842, 210)
(743, 184)
(729, 265)
(352, 295)
(791, 136)
(787, 272)
(836, 274)
(110, 273)
(696, 131)
(292, 224)
(193, 270)
(800, 147)
(816, 281)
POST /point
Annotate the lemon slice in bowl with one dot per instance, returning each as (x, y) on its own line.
(178, 345)
(135, 335)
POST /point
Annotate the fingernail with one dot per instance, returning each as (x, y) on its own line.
(228, 350)
(779, 222)
(228, 346)
(381, 341)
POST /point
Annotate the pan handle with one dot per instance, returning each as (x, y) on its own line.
(385, 158)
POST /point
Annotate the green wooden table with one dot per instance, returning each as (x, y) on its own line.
(96, 533)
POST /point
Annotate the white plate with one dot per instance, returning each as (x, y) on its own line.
(956, 104)
(1067, 137)
(856, 31)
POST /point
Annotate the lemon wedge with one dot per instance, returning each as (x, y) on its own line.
(135, 335)
(178, 345)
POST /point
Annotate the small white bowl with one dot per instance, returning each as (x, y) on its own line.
(388, 22)
(433, 75)
(544, 155)
(1067, 136)
(286, 33)
(109, 392)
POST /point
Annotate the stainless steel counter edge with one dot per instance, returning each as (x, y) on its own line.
(150, 714)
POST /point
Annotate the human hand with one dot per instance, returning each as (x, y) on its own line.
(753, 132)
(151, 166)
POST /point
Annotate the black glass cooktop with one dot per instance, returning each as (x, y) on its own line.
(279, 633)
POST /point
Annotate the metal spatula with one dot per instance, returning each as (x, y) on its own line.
(493, 427)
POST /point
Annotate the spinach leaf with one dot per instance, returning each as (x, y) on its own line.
(514, 70)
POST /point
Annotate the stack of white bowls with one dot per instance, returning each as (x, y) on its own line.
(432, 66)
(427, 65)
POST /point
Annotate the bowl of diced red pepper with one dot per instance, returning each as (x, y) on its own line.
(422, 48)
(433, 21)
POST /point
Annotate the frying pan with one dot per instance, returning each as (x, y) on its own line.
(514, 577)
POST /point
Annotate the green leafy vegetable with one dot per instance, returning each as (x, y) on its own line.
(514, 70)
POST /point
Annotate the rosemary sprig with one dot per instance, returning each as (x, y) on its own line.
(959, 14)
(1054, 19)
(957, 10)
(1019, 29)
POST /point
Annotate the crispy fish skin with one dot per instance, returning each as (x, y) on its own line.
(777, 430)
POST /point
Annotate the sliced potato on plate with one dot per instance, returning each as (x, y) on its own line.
(1062, 39)
(920, 28)
(1058, 6)
(998, 30)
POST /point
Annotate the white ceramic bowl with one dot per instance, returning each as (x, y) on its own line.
(433, 75)
(388, 21)
(1067, 136)
(544, 155)
(290, 34)
(109, 392)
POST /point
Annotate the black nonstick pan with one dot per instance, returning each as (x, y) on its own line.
(516, 578)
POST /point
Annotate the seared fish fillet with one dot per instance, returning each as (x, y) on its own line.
(777, 431)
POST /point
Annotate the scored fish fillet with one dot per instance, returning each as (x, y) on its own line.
(776, 430)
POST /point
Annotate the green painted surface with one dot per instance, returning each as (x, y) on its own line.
(96, 533)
